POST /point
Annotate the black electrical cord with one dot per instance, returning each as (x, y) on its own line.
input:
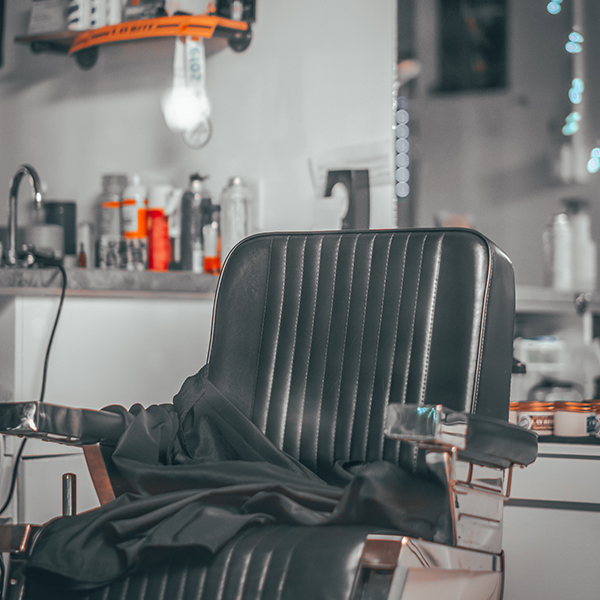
(13, 479)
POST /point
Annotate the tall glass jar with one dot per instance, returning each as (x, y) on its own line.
(235, 203)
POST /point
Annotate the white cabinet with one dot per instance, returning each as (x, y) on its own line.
(106, 350)
(552, 525)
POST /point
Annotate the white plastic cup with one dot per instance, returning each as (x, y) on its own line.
(570, 423)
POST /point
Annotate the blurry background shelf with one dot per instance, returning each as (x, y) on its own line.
(108, 283)
(217, 31)
(536, 299)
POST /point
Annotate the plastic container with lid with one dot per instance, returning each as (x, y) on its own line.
(570, 419)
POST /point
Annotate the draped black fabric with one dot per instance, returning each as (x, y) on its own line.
(202, 472)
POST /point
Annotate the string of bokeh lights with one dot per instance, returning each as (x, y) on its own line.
(572, 124)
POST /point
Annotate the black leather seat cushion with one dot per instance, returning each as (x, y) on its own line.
(273, 562)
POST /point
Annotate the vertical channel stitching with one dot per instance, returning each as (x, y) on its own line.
(483, 325)
(224, 574)
(263, 576)
(125, 589)
(395, 346)
(301, 532)
(333, 280)
(262, 326)
(372, 393)
(276, 341)
(309, 350)
(243, 576)
(412, 328)
(182, 581)
(415, 450)
(362, 339)
(201, 582)
(286, 398)
(436, 279)
(343, 356)
(163, 585)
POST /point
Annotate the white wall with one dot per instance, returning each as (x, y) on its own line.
(317, 76)
(490, 154)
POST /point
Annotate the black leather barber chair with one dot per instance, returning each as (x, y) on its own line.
(346, 350)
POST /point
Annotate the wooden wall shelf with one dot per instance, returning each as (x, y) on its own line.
(84, 45)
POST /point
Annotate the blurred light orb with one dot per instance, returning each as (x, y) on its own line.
(402, 160)
(402, 174)
(402, 131)
(593, 165)
(402, 190)
(402, 116)
(553, 8)
(402, 145)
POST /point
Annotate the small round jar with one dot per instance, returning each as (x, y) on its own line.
(571, 419)
(537, 416)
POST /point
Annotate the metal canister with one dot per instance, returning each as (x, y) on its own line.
(537, 416)
(109, 237)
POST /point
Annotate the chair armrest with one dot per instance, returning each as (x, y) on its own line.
(60, 424)
(480, 440)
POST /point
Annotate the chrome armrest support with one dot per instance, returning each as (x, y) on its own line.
(60, 424)
(428, 425)
(476, 491)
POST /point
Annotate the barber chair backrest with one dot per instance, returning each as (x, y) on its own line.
(315, 333)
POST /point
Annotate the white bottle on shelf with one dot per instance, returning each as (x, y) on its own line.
(114, 12)
(558, 249)
(583, 247)
(98, 12)
(79, 15)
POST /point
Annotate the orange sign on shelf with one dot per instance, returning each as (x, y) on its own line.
(198, 26)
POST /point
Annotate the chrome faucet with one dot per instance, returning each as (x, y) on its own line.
(11, 253)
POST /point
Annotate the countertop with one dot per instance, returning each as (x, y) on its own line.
(109, 283)
(118, 283)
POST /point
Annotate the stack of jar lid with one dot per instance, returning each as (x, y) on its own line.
(561, 418)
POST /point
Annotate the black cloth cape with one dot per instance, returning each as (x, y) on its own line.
(202, 471)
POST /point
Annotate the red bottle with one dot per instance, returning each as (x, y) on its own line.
(160, 251)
